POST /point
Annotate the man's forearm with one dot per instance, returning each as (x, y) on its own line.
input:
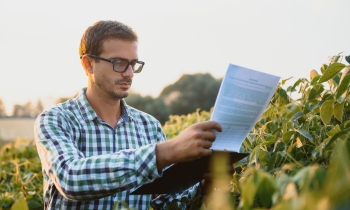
(79, 178)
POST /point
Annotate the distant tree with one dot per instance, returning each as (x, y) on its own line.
(2, 109)
(150, 105)
(39, 108)
(27, 109)
(191, 92)
(17, 111)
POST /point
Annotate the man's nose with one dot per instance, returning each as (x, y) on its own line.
(129, 72)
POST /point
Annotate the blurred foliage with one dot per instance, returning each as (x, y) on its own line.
(21, 178)
(191, 92)
(178, 123)
(299, 149)
(299, 152)
(152, 106)
(184, 96)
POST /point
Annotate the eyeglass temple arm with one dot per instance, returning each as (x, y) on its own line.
(97, 57)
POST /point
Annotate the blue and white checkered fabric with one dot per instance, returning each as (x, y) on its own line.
(89, 165)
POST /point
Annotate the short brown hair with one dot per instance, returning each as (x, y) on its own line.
(95, 35)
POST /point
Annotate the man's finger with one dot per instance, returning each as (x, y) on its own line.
(206, 152)
(206, 144)
(210, 125)
(209, 135)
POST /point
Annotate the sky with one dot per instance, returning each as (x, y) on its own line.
(39, 41)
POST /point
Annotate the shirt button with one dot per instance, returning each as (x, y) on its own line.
(150, 177)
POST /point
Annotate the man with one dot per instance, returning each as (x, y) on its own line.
(94, 148)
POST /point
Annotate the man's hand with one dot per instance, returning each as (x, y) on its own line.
(192, 143)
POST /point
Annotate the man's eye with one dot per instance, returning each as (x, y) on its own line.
(117, 63)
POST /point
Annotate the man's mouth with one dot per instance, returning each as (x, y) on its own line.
(125, 84)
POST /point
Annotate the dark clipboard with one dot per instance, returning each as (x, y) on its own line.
(182, 176)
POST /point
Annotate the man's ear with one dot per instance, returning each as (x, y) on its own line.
(87, 65)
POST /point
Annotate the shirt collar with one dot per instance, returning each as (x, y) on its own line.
(89, 113)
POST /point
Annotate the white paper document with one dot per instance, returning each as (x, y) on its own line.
(243, 97)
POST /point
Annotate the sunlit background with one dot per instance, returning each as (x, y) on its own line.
(39, 41)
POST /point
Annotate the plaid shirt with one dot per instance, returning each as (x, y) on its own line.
(89, 165)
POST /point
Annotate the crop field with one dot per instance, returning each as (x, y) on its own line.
(13, 128)
(299, 154)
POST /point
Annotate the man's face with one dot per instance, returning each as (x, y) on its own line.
(115, 85)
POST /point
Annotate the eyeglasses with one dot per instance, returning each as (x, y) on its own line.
(120, 65)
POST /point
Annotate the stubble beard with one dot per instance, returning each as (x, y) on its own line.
(107, 86)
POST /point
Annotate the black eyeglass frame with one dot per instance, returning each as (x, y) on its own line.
(119, 59)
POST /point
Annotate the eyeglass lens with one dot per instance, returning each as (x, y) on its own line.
(120, 66)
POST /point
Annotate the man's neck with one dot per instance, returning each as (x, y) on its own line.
(107, 109)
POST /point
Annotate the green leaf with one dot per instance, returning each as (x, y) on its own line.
(336, 136)
(276, 130)
(287, 136)
(296, 116)
(345, 125)
(266, 187)
(116, 205)
(248, 194)
(324, 68)
(33, 205)
(252, 156)
(313, 93)
(331, 71)
(306, 108)
(343, 86)
(310, 149)
(284, 81)
(338, 111)
(278, 146)
(327, 111)
(347, 58)
(283, 94)
(264, 157)
(336, 79)
(272, 161)
(267, 143)
(305, 134)
(295, 85)
(336, 58)
(232, 200)
(291, 149)
(335, 130)
(337, 177)
(271, 138)
(315, 79)
(21, 204)
(312, 107)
